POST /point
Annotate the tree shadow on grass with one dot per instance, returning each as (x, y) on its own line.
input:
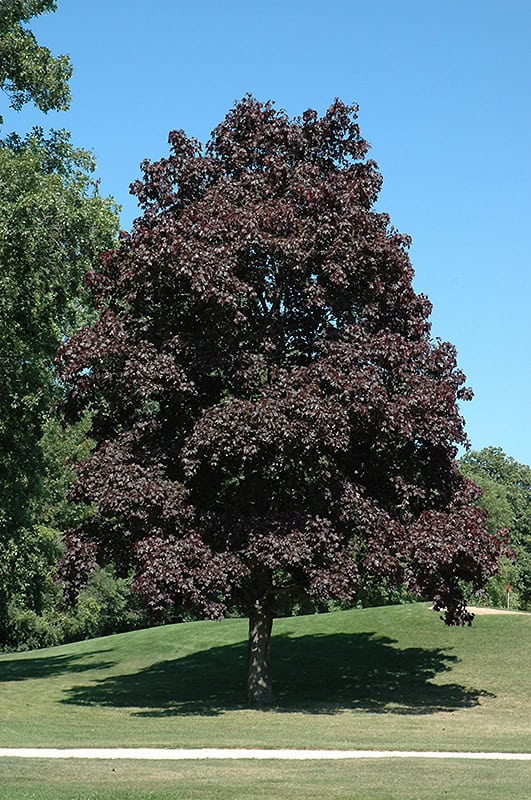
(37, 666)
(314, 674)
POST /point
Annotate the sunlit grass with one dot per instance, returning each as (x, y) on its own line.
(269, 780)
(378, 678)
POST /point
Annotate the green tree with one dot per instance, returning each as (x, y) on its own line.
(62, 446)
(506, 486)
(53, 224)
(28, 71)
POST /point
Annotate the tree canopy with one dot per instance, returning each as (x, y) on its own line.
(506, 487)
(28, 71)
(53, 223)
(271, 415)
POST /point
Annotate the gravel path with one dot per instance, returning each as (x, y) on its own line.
(222, 753)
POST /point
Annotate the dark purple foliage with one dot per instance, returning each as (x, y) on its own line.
(270, 411)
(77, 564)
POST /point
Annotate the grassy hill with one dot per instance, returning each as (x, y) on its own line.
(390, 678)
(351, 679)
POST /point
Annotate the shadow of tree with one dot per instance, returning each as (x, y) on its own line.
(20, 669)
(314, 674)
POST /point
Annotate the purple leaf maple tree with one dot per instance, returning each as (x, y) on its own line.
(272, 417)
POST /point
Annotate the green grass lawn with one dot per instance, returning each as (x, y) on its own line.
(390, 678)
(267, 780)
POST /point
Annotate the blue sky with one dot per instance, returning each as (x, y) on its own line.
(443, 88)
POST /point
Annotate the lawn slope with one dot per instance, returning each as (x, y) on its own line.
(384, 678)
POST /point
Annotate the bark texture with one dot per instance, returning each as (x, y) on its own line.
(259, 686)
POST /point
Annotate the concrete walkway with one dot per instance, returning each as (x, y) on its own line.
(163, 754)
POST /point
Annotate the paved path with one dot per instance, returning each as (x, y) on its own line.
(220, 753)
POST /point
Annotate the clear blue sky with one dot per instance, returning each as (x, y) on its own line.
(444, 93)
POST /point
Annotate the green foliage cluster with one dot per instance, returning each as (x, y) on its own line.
(105, 606)
(53, 225)
(506, 487)
(36, 615)
(28, 71)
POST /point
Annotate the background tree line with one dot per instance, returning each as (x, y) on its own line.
(53, 226)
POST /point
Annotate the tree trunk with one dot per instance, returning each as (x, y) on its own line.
(259, 690)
